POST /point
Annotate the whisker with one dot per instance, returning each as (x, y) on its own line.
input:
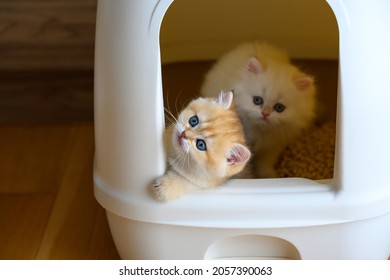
(183, 163)
(167, 101)
(176, 99)
(169, 116)
(178, 157)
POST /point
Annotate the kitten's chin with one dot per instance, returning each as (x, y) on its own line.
(257, 119)
(264, 121)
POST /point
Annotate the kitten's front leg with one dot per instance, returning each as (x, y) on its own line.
(171, 186)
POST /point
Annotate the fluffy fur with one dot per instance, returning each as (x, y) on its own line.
(205, 147)
(274, 99)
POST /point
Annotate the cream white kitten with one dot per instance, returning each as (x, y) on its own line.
(274, 99)
(205, 147)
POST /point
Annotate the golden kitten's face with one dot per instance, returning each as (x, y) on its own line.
(203, 140)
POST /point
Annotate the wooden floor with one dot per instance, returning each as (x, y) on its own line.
(47, 207)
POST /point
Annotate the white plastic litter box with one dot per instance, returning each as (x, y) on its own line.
(344, 218)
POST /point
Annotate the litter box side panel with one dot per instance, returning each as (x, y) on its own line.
(129, 117)
(142, 240)
(366, 239)
(362, 136)
(136, 240)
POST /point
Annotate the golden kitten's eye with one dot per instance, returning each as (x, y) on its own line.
(257, 100)
(201, 145)
(279, 107)
(193, 121)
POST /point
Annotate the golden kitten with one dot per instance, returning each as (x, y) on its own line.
(206, 146)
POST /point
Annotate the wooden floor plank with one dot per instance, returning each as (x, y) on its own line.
(71, 226)
(23, 219)
(33, 157)
(42, 161)
(101, 244)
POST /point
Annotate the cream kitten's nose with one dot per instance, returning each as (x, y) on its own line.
(265, 114)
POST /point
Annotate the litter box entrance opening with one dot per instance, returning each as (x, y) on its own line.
(252, 247)
(194, 33)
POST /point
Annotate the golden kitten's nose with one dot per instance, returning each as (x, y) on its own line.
(183, 135)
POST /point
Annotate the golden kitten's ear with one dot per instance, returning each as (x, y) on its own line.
(225, 99)
(304, 82)
(238, 154)
(255, 66)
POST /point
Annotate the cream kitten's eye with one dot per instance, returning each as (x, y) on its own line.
(257, 100)
(279, 107)
(201, 145)
(193, 121)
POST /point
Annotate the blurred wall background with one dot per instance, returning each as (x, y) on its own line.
(204, 29)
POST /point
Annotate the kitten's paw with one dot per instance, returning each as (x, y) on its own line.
(156, 183)
(166, 189)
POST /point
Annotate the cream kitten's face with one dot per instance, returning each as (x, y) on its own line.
(274, 95)
(208, 141)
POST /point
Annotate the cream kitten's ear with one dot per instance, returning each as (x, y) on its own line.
(255, 66)
(225, 99)
(238, 154)
(303, 83)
